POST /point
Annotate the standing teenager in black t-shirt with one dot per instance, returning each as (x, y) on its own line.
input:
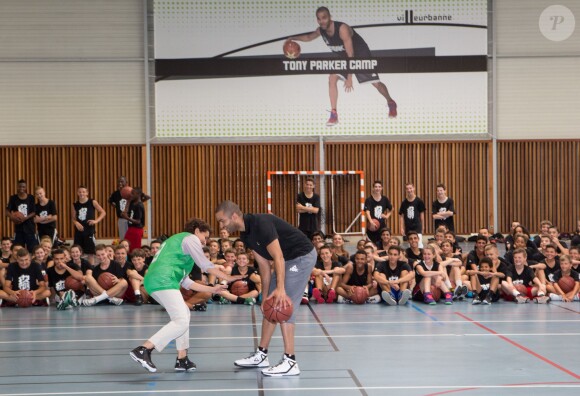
(412, 213)
(84, 216)
(443, 209)
(293, 256)
(46, 215)
(21, 211)
(308, 207)
(377, 207)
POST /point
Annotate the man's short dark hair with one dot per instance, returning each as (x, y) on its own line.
(320, 9)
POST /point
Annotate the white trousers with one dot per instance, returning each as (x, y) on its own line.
(178, 328)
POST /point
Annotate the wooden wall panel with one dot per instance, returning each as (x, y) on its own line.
(190, 180)
(462, 167)
(60, 170)
(536, 180)
(539, 180)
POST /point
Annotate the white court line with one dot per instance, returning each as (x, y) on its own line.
(309, 389)
(161, 324)
(309, 337)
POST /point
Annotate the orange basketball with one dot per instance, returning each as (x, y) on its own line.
(106, 280)
(19, 216)
(71, 283)
(239, 288)
(126, 192)
(291, 49)
(522, 289)
(376, 225)
(25, 298)
(360, 295)
(186, 293)
(435, 292)
(567, 284)
(276, 314)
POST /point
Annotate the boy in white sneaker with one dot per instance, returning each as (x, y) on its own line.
(565, 270)
(522, 274)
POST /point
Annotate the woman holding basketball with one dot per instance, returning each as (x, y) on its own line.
(168, 271)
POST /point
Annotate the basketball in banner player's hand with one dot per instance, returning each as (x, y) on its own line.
(360, 295)
(25, 298)
(291, 49)
(276, 314)
(374, 225)
(126, 192)
(106, 280)
(71, 283)
(567, 284)
(239, 288)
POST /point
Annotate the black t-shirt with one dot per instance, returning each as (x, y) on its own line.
(412, 257)
(44, 211)
(84, 213)
(26, 207)
(24, 279)
(392, 274)
(503, 268)
(118, 201)
(446, 206)
(549, 271)
(57, 280)
(526, 278)
(357, 279)
(309, 221)
(136, 211)
(85, 265)
(320, 265)
(418, 276)
(251, 270)
(263, 229)
(411, 212)
(376, 209)
(473, 259)
(114, 268)
(130, 266)
(573, 274)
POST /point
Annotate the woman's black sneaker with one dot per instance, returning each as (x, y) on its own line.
(142, 355)
(184, 365)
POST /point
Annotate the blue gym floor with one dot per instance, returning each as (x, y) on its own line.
(373, 349)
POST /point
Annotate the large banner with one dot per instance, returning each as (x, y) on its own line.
(397, 67)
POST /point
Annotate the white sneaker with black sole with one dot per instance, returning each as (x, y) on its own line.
(286, 367)
(256, 359)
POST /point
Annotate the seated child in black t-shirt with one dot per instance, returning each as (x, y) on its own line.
(251, 278)
(357, 274)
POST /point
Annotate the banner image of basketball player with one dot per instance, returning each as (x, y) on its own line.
(220, 68)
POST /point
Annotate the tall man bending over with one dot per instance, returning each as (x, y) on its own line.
(273, 240)
(342, 39)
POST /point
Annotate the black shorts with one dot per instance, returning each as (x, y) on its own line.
(362, 78)
(86, 240)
